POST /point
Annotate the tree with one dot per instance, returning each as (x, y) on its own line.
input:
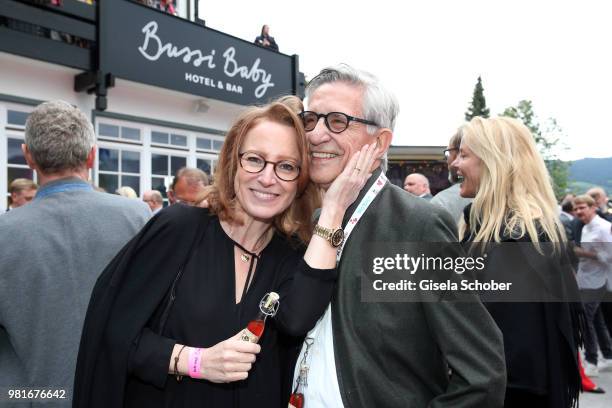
(479, 104)
(549, 142)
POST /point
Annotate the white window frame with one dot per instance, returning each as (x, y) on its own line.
(147, 148)
(121, 147)
(14, 132)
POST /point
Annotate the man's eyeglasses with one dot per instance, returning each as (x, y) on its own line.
(447, 152)
(285, 170)
(336, 122)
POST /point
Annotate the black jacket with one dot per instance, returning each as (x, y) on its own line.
(132, 293)
(541, 338)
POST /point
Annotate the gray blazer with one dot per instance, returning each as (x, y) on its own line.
(392, 354)
(451, 201)
(51, 253)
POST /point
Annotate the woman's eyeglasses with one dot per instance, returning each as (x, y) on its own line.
(285, 170)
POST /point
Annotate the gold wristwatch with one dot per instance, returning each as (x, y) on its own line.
(334, 236)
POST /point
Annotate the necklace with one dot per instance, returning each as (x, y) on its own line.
(246, 254)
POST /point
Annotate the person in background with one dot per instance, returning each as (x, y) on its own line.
(127, 192)
(604, 210)
(450, 199)
(188, 186)
(601, 201)
(167, 6)
(567, 216)
(595, 282)
(154, 200)
(52, 252)
(22, 191)
(265, 40)
(514, 203)
(417, 184)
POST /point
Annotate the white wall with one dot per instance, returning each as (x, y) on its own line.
(38, 80)
(27, 78)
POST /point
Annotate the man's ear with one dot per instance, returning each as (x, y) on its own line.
(384, 137)
(28, 156)
(91, 157)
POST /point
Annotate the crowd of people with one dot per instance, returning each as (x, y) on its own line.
(122, 302)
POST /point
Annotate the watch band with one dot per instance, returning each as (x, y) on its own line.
(335, 236)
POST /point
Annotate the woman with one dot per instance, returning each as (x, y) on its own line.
(265, 39)
(170, 305)
(514, 203)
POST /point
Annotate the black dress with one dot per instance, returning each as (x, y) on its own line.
(205, 313)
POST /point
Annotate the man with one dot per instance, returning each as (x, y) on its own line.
(567, 217)
(22, 191)
(449, 198)
(601, 201)
(188, 186)
(418, 185)
(387, 354)
(601, 209)
(594, 280)
(53, 250)
(154, 200)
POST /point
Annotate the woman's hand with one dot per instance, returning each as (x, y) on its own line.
(229, 360)
(346, 187)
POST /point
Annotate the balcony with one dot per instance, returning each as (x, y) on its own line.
(128, 40)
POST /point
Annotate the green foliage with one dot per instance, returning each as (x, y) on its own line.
(549, 143)
(478, 106)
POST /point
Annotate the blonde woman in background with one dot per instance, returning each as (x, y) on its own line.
(127, 192)
(514, 203)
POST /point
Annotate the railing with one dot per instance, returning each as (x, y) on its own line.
(64, 34)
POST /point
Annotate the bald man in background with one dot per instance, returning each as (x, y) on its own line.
(417, 184)
(154, 200)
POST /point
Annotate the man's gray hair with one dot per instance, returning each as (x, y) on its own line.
(59, 137)
(379, 104)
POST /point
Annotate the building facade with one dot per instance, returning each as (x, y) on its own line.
(161, 91)
(427, 160)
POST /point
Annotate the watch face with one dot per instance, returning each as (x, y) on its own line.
(337, 237)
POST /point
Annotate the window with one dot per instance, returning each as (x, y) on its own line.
(110, 131)
(163, 166)
(208, 143)
(205, 165)
(16, 118)
(16, 163)
(170, 139)
(203, 143)
(146, 156)
(118, 168)
(217, 145)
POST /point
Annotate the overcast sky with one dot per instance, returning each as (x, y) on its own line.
(430, 53)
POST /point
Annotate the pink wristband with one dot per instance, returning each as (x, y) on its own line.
(195, 358)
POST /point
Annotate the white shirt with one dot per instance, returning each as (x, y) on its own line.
(595, 273)
(322, 390)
